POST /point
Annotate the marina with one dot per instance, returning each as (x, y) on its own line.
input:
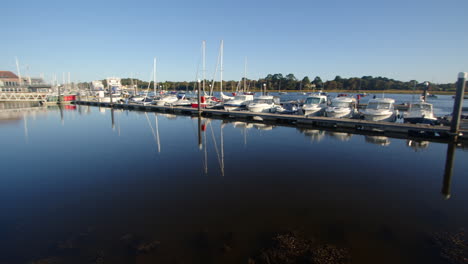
(234, 132)
(353, 124)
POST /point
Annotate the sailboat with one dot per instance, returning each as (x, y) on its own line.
(223, 96)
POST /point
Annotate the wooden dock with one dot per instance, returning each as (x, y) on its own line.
(357, 125)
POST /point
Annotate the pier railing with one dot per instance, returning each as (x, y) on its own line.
(15, 96)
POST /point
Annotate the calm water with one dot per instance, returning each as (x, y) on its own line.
(75, 186)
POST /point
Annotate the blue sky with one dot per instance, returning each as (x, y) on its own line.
(422, 40)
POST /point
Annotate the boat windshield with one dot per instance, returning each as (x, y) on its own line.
(426, 107)
(240, 97)
(375, 105)
(340, 104)
(262, 101)
(314, 100)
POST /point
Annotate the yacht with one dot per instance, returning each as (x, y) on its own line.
(239, 102)
(166, 99)
(264, 104)
(380, 109)
(420, 113)
(315, 105)
(341, 107)
(182, 101)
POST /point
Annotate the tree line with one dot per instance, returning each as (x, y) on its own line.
(278, 82)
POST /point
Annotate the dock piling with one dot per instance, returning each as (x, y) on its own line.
(457, 105)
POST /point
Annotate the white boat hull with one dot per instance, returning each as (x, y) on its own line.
(341, 114)
(313, 111)
(262, 109)
(383, 118)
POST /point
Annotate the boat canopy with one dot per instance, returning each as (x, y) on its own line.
(421, 106)
(315, 100)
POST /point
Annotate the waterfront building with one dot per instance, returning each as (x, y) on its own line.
(10, 82)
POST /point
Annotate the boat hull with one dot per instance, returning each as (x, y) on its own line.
(347, 114)
(420, 120)
(313, 112)
(234, 107)
(261, 109)
(381, 118)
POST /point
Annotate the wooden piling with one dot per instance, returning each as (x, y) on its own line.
(457, 105)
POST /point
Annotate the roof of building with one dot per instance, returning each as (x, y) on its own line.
(7, 74)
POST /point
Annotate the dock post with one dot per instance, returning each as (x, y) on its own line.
(448, 170)
(198, 98)
(457, 105)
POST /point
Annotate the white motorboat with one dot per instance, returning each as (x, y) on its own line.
(420, 113)
(341, 107)
(239, 102)
(165, 100)
(107, 99)
(137, 99)
(264, 104)
(315, 105)
(182, 101)
(380, 109)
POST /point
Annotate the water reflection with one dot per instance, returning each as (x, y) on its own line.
(238, 124)
(448, 170)
(339, 135)
(263, 126)
(262, 192)
(315, 135)
(417, 145)
(378, 140)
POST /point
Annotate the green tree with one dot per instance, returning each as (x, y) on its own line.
(318, 82)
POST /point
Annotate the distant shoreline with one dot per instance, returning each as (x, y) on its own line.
(358, 92)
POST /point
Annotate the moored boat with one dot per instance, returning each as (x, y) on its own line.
(264, 104)
(315, 105)
(341, 107)
(420, 113)
(380, 109)
(239, 102)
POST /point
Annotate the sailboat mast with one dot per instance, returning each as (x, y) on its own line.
(221, 71)
(204, 66)
(18, 70)
(245, 75)
(154, 76)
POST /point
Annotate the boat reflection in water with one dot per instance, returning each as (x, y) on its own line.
(378, 140)
(263, 126)
(239, 124)
(417, 145)
(340, 135)
(315, 135)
